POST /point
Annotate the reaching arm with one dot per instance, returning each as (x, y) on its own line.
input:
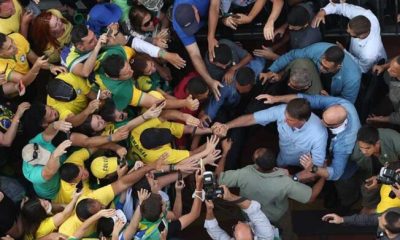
(242, 121)
(52, 166)
(60, 218)
(7, 138)
(316, 189)
(86, 68)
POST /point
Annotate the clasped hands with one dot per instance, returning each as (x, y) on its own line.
(219, 129)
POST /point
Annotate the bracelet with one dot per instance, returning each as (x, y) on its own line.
(109, 138)
(162, 53)
(171, 167)
(203, 195)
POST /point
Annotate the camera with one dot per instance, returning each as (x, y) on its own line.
(210, 186)
(388, 176)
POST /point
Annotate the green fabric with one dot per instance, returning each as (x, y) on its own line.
(110, 50)
(390, 151)
(125, 7)
(149, 230)
(122, 91)
(271, 190)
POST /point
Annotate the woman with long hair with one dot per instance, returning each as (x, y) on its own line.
(38, 220)
(49, 33)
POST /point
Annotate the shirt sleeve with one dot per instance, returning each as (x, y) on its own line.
(142, 46)
(176, 156)
(344, 9)
(186, 39)
(78, 157)
(287, 58)
(214, 105)
(299, 192)
(34, 174)
(269, 115)
(230, 178)
(361, 220)
(214, 231)
(261, 225)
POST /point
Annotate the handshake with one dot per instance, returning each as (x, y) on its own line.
(220, 129)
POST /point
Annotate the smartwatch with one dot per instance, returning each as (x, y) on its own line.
(314, 169)
(295, 178)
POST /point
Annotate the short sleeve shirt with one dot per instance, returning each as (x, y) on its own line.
(18, 63)
(12, 24)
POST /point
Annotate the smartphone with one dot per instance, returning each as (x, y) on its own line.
(121, 162)
(98, 94)
(161, 227)
(160, 103)
(79, 186)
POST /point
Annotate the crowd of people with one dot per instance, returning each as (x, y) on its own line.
(112, 117)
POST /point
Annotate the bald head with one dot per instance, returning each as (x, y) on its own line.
(243, 231)
(334, 115)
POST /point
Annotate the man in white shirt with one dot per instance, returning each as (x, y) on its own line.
(366, 44)
(259, 226)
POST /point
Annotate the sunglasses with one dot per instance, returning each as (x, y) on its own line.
(35, 153)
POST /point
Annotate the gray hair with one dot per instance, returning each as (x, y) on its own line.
(300, 77)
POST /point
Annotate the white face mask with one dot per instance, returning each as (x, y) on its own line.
(340, 128)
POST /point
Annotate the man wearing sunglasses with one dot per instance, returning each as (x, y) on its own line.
(340, 74)
(258, 226)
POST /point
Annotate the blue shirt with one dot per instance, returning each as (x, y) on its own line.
(342, 145)
(345, 83)
(310, 138)
(202, 7)
(230, 97)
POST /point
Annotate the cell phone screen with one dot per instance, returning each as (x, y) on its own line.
(79, 186)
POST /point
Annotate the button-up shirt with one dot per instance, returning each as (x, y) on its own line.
(345, 83)
(230, 97)
(343, 144)
(310, 138)
(263, 230)
(369, 50)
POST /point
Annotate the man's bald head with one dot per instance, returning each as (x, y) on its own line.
(334, 115)
(243, 231)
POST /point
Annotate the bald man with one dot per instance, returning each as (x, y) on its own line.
(341, 118)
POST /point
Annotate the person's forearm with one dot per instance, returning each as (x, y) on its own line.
(133, 225)
(277, 6)
(135, 176)
(323, 172)
(242, 121)
(175, 103)
(286, 98)
(78, 119)
(85, 226)
(316, 189)
(199, 131)
(242, 62)
(135, 122)
(87, 142)
(111, 146)
(210, 215)
(24, 28)
(177, 210)
(200, 67)
(49, 133)
(31, 75)
(7, 138)
(255, 10)
(221, 165)
(89, 64)
(173, 115)
(213, 14)
(51, 167)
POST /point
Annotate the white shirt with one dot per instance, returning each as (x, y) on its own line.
(368, 51)
(144, 47)
(263, 230)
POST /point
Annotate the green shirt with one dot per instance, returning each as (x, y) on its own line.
(272, 190)
(390, 151)
(47, 189)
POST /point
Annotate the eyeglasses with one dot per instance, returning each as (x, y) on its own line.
(35, 153)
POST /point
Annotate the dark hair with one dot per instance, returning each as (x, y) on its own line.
(334, 54)
(142, 184)
(368, 134)
(78, 32)
(298, 16)
(155, 137)
(151, 208)
(136, 16)
(392, 221)
(107, 112)
(196, 85)
(360, 25)
(113, 65)
(139, 64)
(69, 171)
(105, 226)
(223, 54)
(267, 161)
(245, 76)
(299, 108)
(32, 214)
(86, 127)
(32, 120)
(3, 39)
(84, 209)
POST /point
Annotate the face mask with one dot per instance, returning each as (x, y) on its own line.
(339, 129)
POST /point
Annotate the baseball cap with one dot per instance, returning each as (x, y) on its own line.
(35, 154)
(155, 137)
(102, 15)
(152, 5)
(185, 17)
(102, 166)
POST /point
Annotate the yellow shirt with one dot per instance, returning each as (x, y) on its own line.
(79, 103)
(104, 195)
(65, 39)
(12, 24)
(386, 202)
(67, 190)
(148, 156)
(46, 227)
(19, 63)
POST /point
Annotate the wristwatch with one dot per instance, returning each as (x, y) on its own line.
(295, 178)
(314, 169)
